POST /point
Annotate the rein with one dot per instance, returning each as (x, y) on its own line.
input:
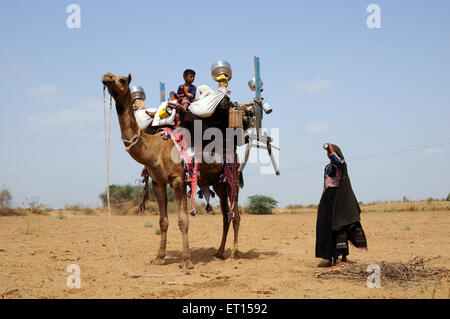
(133, 142)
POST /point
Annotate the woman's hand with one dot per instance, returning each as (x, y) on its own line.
(331, 148)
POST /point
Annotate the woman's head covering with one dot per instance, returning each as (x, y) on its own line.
(338, 151)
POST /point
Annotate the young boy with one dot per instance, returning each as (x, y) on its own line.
(186, 92)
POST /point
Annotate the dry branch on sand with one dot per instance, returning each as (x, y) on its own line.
(414, 271)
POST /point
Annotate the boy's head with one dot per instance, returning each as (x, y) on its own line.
(189, 76)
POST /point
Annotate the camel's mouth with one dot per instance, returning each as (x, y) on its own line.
(107, 83)
(108, 79)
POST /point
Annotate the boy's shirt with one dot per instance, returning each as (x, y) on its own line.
(192, 90)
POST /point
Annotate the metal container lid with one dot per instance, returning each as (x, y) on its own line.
(221, 67)
(252, 84)
(137, 92)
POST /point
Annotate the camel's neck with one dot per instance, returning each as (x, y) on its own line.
(127, 120)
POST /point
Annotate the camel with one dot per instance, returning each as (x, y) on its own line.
(154, 152)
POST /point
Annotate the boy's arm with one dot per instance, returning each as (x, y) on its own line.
(191, 91)
(180, 91)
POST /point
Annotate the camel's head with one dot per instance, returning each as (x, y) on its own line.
(118, 86)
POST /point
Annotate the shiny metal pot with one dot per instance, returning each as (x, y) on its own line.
(252, 84)
(221, 67)
(137, 92)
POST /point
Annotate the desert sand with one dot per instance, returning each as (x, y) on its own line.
(276, 256)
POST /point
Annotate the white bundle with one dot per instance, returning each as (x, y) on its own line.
(208, 102)
(142, 118)
(170, 120)
(204, 91)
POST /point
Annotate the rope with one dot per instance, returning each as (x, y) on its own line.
(134, 140)
(127, 271)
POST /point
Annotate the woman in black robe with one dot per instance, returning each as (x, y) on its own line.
(338, 216)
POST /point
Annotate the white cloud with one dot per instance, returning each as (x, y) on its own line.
(45, 94)
(82, 114)
(317, 127)
(85, 114)
(314, 86)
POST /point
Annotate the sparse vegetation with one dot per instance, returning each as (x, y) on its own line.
(378, 206)
(73, 208)
(7, 211)
(61, 215)
(5, 198)
(261, 205)
(125, 193)
(148, 224)
(29, 230)
(448, 197)
(35, 207)
(295, 206)
(80, 208)
(158, 231)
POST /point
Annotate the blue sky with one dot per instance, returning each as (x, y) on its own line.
(327, 75)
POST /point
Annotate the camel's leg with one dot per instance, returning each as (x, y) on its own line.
(161, 197)
(221, 192)
(236, 223)
(179, 188)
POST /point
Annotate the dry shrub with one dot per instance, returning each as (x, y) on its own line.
(298, 206)
(413, 272)
(7, 211)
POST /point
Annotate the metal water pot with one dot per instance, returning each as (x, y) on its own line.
(221, 67)
(137, 92)
(252, 84)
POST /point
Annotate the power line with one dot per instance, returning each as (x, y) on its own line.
(403, 150)
(407, 149)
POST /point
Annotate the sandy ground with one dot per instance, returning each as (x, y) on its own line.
(277, 256)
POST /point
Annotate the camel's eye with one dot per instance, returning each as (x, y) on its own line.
(122, 81)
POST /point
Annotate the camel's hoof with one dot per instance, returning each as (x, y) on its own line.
(234, 255)
(157, 261)
(219, 256)
(186, 265)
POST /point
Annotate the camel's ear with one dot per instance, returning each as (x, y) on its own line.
(129, 78)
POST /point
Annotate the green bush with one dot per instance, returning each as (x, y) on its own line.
(125, 193)
(261, 205)
(448, 197)
(122, 193)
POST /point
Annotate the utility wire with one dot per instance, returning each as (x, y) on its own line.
(407, 149)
